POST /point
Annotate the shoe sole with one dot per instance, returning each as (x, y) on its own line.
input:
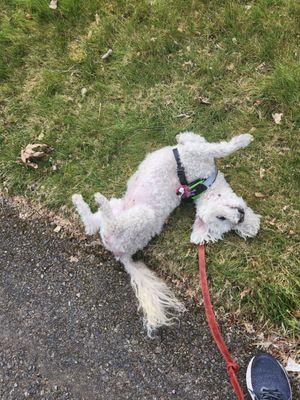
(249, 381)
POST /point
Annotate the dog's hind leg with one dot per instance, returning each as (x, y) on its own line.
(223, 149)
(91, 221)
(130, 228)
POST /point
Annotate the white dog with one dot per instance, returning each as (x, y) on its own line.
(127, 225)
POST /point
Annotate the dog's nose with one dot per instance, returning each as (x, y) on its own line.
(242, 214)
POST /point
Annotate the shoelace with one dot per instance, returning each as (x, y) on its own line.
(271, 394)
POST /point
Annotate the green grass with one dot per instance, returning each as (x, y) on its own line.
(246, 60)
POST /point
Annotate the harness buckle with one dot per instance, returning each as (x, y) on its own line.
(183, 191)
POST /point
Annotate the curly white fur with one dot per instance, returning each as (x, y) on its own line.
(127, 225)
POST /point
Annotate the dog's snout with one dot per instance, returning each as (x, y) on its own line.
(242, 214)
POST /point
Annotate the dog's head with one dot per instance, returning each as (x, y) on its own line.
(219, 211)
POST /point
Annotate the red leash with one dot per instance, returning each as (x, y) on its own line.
(232, 366)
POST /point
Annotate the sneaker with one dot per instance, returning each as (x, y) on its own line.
(267, 380)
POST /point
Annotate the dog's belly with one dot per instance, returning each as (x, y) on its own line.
(154, 183)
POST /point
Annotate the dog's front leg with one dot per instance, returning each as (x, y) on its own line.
(199, 232)
(92, 222)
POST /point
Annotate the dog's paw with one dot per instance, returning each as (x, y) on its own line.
(243, 140)
(77, 199)
(196, 238)
(101, 200)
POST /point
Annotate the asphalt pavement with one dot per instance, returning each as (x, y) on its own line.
(69, 327)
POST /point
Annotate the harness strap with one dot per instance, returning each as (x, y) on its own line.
(195, 188)
(180, 168)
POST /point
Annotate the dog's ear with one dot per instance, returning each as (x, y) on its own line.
(189, 137)
(199, 232)
(250, 225)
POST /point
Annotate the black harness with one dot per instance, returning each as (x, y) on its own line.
(195, 188)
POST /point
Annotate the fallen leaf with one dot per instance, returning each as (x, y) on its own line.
(261, 172)
(296, 313)
(184, 115)
(181, 28)
(259, 195)
(249, 328)
(265, 345)
(53, 4)
(57, 229)
(33, 152)
(107, 54)
(272, 222)
(203, 100)
(187, 64)
(230, 67)
(245, 292)
(83, 92)
(277, 117)
(263, 68)
(292, 366)
(258, 102)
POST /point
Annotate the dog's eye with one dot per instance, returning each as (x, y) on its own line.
(221, 218)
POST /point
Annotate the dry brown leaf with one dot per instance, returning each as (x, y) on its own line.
(249, 328)
(245, 292)
(203, 100)
(259, 195)
(181, 28)
(57, 229)
(83, 92)
(53, 4)
(33, 152)
(277, 117)
(296, 313)
(187, 64)
(265, 345)
(261, 172)
(230, 67)
(263, 68)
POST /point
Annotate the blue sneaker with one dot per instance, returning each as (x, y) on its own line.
(267, 380)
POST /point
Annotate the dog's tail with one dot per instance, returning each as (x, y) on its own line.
(156, 300)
